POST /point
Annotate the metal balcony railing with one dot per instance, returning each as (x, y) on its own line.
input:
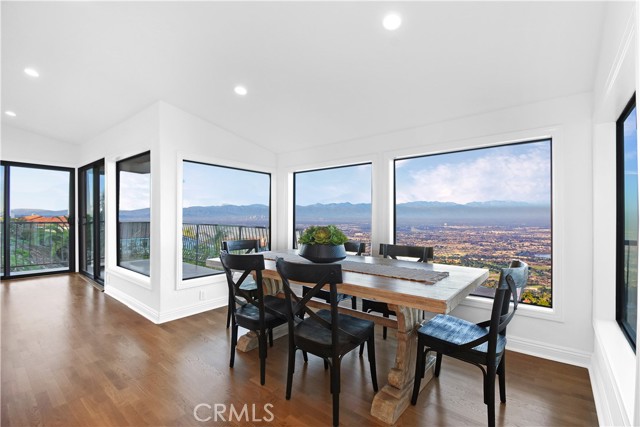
(38, 245)
(199, 241)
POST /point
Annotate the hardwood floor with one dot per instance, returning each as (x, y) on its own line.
(72, 356)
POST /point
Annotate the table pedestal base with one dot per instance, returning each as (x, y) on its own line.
(390, 402)
(249, 341)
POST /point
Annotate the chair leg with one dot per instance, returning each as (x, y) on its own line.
(353, 303)
(371, 353)
(501, 378)
(335, 389)
(270, 337)
(304, 356)
(262, 349)
(290, 368)
(490, 395)
(361, 349)
(384, 328)
(417, 379)
(229, 312)
(436, 372)
(326, 364)
(234, 342)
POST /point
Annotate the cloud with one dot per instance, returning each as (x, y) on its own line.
(524, 177)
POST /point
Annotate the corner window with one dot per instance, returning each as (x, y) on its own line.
(133, 176)
(340, 196)
(627, 222)
(221, 203)
(481, 208)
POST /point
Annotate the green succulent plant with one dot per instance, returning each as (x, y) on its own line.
(322, 235)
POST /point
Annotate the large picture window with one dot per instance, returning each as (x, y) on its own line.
(627, 222)
(133, 176)
(221, 203)
(481, 208)
(339, 196)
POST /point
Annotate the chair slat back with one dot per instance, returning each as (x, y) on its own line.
(353, 246)
(246, 264)
(422, 253)
(314, 276)
(241, 245)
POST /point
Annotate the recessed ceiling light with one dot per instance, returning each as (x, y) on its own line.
(10, 113)
(31, 72)
(392, 21)
(240, 90)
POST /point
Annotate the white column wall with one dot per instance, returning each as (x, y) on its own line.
(187, 137)
(135, 135)
(613, 370)
(563, 333)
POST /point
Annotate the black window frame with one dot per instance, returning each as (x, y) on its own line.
(95, 276)
(295, 242)
(551, 201)
(5, 273)
(620, 222)
(118, 256)
(269, 243)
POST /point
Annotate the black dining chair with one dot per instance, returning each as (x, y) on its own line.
(325, 333)
(419, 253)
(251, 309)
(245, 247)
(482, 344)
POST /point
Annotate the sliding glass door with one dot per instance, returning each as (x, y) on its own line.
(91, 203)
(37, 219)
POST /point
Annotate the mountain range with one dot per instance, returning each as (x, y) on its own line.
(408, 214)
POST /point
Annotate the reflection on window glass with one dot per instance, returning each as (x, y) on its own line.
(1, 220)
(134, 213)
(221, 203)
(627, 253)
(39, 232)
(481, 208)
(340, 196)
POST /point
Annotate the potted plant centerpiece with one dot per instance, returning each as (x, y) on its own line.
(322, 244)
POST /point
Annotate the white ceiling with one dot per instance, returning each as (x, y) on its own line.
(317, 72)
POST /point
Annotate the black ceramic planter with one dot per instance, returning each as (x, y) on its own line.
(322, 253)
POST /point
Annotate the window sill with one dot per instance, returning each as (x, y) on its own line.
(552, 314)
(130, 276)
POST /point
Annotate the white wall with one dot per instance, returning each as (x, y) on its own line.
(614, 366)
(187, 137)
(563, 333)
(172, 135)
(135, 135)
(18, 145)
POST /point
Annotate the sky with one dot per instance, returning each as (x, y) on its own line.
(630, 176)
(336, 185)
(207, 185)
(517, 172)
(39, 189)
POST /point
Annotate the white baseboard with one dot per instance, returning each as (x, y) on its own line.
(135, 305)
(551, 352)
(166, 316)
(178, 313)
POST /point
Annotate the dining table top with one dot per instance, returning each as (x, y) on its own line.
(439, 297)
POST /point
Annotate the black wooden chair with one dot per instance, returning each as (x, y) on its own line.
(420, 253)
(481, 344)
(245, 247)
(251, 309)
(357, 248)
(325, 333)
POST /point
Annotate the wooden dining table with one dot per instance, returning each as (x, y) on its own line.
(408, 298)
